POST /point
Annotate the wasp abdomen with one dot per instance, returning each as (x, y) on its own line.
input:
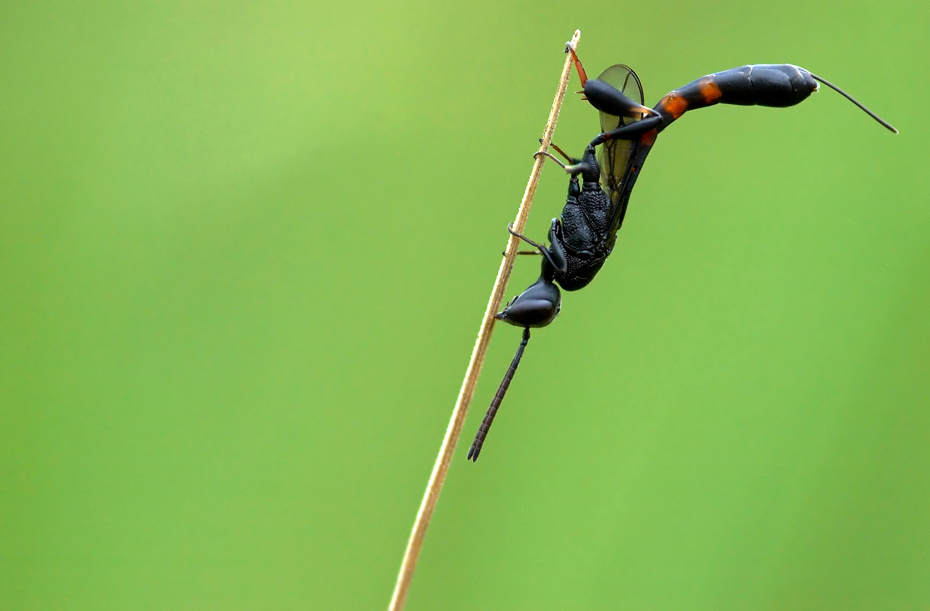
(776, 85)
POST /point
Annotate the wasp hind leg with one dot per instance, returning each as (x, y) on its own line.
(633, 131)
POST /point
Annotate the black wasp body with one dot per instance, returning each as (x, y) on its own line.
(584, 235)
(581, 238)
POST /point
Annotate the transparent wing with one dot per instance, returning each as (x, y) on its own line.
(614, 155)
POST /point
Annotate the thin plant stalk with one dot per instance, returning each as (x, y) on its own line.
(441, 468)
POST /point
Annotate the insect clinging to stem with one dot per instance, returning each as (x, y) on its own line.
(583, 236)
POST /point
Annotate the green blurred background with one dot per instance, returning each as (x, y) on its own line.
(245, 249)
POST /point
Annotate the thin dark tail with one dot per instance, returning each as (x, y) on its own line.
(482, 433)
(855, 101)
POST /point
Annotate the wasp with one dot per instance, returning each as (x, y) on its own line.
(600, 183)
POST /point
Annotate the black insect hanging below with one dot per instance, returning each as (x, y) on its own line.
(584, 235)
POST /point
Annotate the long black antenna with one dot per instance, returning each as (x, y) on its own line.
(482, 433)
(855, 101)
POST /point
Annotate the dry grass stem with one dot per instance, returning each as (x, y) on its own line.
(438, 476)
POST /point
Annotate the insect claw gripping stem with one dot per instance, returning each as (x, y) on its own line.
(550, 156)
(576, 168)
(535, 245)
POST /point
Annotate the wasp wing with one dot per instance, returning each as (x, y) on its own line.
(614, 155)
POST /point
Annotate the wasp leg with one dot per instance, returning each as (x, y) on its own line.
(629, 132)
(582, 75)
(542, 249)
(535, 245)
(584, 166)
(568, 157)
(550, 156)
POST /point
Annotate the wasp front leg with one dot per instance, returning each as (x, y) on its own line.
(556, 259)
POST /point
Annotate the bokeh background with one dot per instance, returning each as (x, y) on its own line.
(245, 249)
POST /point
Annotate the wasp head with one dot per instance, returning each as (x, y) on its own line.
(537, 306)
